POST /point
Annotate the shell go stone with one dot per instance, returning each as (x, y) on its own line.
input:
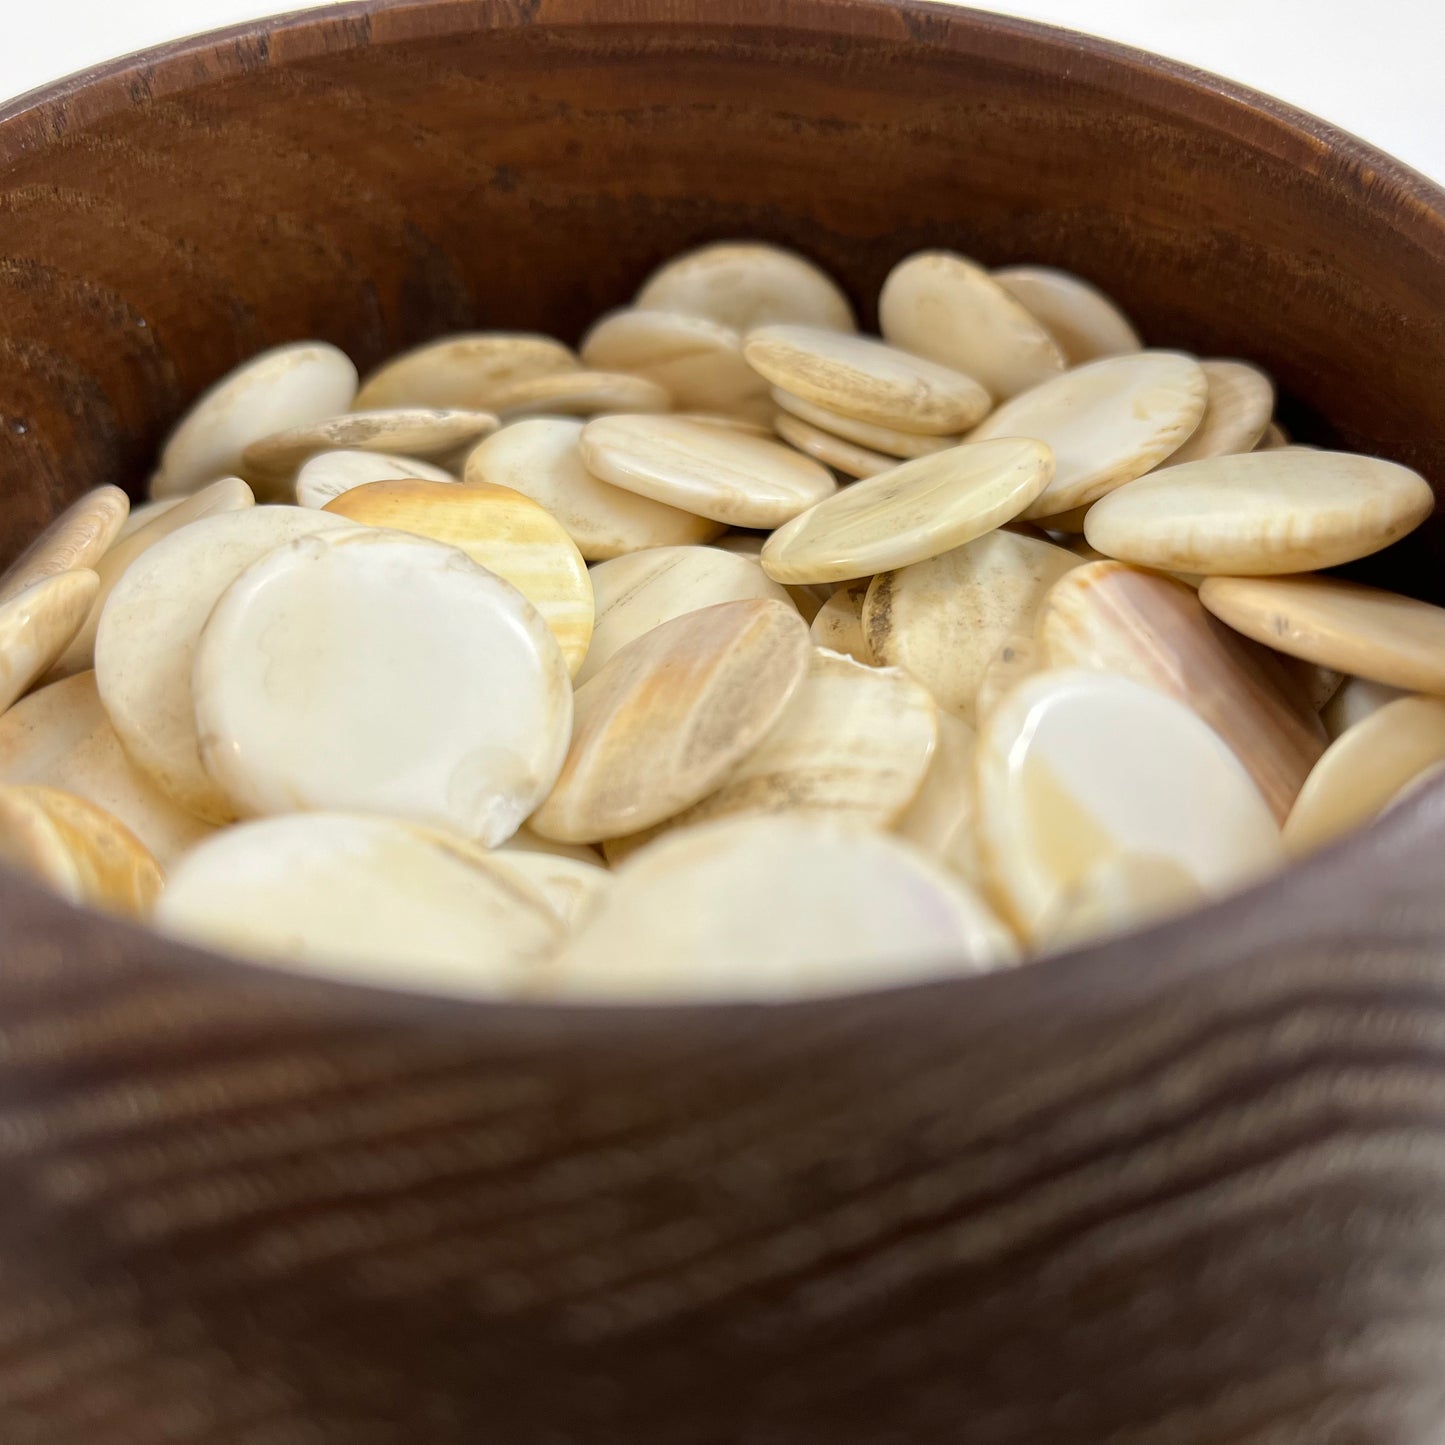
(862, 378)
(146, 642)
(568, 885)
(541, 457)
(61, 737)
(77, 849)
(915, 511)
(671, 714)
(838, 623)
(1074, 766)
(1084, 322)
(943, 306)
(329, 474)
(775, 908)
(743, 284)
(1110, 617)
(1236, 414)
(312, 694)
(891, 442)
(76, 540)
(580, 393)
(942, 818)
(38, 624)
(729, 476)
(499, 529)
(1365, 769)
(1120, 893)
(1106, 423)
(1261, 514)
(465, 370)
(944, 619)
(636, 593)
(289, 386)
(1015, 662)
(366, 900)
(1357, 698)
(832, 451)
(1361, 631)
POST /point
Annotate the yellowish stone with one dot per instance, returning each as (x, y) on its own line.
(743, 284)
(742, 480)
(943, 306)
(143, 516)
(1236, 414)
(1074, 766)
(776, 908)
(698, 362)
(671, 714)
(1261, 514)
(1275, 436)
(79, 850)
(838, 624)
(465, 370)
(541, 458)
(867, 379)
(1084, 322)
(329, 474)
(942, 818)
(289, 386)
(524, 840)
(38, 624)
(500, 529)
(1120, 893)
(76, 540)
(1107, 423)
(945, 619)
(891, 442)
(636, 593)
(1357, 630)
(915, 511)
(832, 451)
(372, 671)
(61, 737)
(580, 393)
(365, 900)
(1357, 698)
(1364, 769)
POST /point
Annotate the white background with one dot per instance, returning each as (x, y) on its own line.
(1373, 69)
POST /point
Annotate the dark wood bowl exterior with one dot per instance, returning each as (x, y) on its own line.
(1184, 1188)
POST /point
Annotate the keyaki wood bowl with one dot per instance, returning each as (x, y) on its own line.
(1184, 1187)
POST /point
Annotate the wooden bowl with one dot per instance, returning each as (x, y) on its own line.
(1180, 1188)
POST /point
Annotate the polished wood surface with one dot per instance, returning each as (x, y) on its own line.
(1185, 1189)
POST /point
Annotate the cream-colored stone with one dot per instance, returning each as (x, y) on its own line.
(670, 715)
(146, 643)
(1076, 765)
(364, 900)
(288, 386)
(698, 362)
(329, 474)
(1261, 514)
(580, 393)
(541, 458)
(524, 840)
(729, 476)
(917, 510)
(945, 619)
(61, 737)
(776, 908)
(76, 540)
(1236, 414)
(1361, 631)
(1106, 423)
(1122, 892)
(1275, 436)
(942, 819)
(1357, 698)
(313, 691)
(943, 306)
(838, 623)
(891, 442)
(1084, 322)
(38, 624)
(143, 515)
(464, 370)
(1110, 617)
(501, 530)
(1016, 660)
(230, 494)
(568, 885)
(79, 850)
(1364, 769)
(743, 284)
(636, 593)
(832, 451)
(867, 379)
(404, 431)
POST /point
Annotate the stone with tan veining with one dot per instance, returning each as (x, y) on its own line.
(1236, 415)
(1084, 322)
(329, 474)
(38, 624)
(76, 540)
(580, 393)
(464, 370)
(838, 623)
(1110, 617)
(671, 714)
(889, 441)
(832, 451)
(1261, 514)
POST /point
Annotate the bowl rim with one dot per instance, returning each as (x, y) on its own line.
(1090, 978)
